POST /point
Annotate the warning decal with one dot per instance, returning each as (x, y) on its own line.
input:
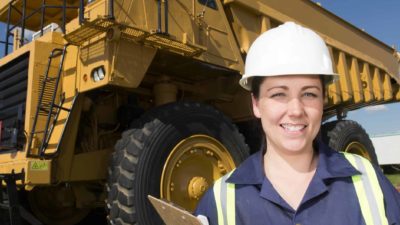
(39, 165)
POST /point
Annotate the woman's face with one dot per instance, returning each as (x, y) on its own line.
(290, 109)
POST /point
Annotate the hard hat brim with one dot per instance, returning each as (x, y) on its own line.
(246, 81)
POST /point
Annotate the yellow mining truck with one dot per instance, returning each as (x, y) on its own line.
(107, 101)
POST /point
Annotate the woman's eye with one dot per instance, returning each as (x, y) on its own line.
(310, 94)
(277, 95)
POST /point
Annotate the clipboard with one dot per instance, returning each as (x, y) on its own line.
(173, 215)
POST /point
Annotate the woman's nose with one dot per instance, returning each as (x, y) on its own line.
(295, 107)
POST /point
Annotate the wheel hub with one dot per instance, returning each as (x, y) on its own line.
(197, 187)
(193, 164)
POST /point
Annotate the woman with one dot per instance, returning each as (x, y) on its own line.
(295, 178)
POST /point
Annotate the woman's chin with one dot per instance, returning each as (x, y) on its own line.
(295, 147)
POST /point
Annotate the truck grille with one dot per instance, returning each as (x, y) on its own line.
(13, 89)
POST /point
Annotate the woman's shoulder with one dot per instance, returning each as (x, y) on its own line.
(391, 195)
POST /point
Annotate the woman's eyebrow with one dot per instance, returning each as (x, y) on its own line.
(286, 87)
(280, 86)
(311, 86)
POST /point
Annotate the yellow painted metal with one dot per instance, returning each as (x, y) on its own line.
(377, 84)
(397, 94)
(38, 172)
(95, 54)
(265, 24)
(337, 32)
(238, 113)
(197, 187)
(357, 148)
(387, 88)
(334, 89)
(93, 163)
(38, 54)
(16, 39)
(122, 73)
(345, 81)
(112, 56)
(193, 164)
(355, 77)
(164, 91)
(101, 26)
(366, 78)
(136, 25)
(39, 51)
(244, 27)
(68, 145)
(219, 34)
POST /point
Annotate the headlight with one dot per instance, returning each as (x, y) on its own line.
(98, 74)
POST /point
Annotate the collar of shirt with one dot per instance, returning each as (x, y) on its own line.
(331, 164)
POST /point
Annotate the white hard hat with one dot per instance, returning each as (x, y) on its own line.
(288, 49)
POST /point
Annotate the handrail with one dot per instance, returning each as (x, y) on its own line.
(25, 17)
(111, 9)
(42, 11)
(81, 12)
(159, 29)
(23, 23)
(48, 129)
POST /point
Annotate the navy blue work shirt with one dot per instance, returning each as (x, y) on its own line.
(330, 198)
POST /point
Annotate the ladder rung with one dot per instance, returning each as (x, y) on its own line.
(60, 107)
(39, 132)
(58, 53)
(47, 111)
(50, 79)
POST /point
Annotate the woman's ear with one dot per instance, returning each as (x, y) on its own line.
(255, 104)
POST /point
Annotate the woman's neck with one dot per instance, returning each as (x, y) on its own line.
(276, 160)
(290, 174)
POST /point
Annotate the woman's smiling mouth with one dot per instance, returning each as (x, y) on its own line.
(293, 127)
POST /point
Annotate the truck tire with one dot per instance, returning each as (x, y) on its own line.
(174, 152)
(349, 136)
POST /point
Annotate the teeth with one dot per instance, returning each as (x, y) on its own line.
(293, 127)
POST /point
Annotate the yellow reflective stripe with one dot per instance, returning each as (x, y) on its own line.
(361, 195)
(374, 195)
(217, 197)
(224, 195)
(231, 211)
(376, 188)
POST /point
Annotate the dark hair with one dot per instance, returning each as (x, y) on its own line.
(255, 86)
(257, 81)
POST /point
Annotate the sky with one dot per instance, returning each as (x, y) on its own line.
(380, 19)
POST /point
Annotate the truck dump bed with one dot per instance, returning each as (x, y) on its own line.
(369, 74)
